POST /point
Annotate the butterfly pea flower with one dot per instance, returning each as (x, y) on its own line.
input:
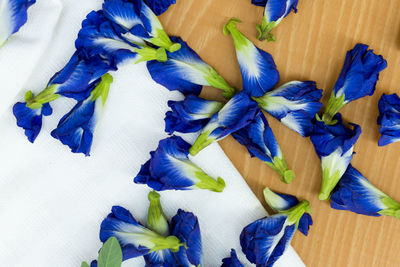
(185, 226)
(186, 72)
(274, 13)
(334, 145)
(260, 141)
(135, 239)
(389, 119)
(170, 168)
(357, 194)
(232, 261)
(265, 240)
(294, 104)
(236, 114)
(357, 79)
(31, 119)
(13, 15)
(258, 68)
(159, 6)
(76, 128)
(190, 115)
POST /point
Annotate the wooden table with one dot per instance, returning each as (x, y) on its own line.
(311, 45)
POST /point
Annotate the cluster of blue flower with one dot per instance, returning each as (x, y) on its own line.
(130, 30)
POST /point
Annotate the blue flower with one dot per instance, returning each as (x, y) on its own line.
(185, 226)
(294, 104)
(355, 193)
(159, 6)
(260, 141)
(265, 240)
(76, 128)
(232, 261)
(334, 145)
(13, 15)
(389, 119)
(190, 114)
(186, 72)
(274, 12)
(239, 112)
(282, 202)
(258, 68)
(357, 79)
(135, 239)
(31, 119)
(170, 168)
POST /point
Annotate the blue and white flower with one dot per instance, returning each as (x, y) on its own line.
(135, 239)
(31, 119)
(76, 128)
(294, 104)
(260, 141)
(186, 72)
(239, 112)
(389, 119)
(355, 193)
(357, 79)
(190, 114)
(159, 6)
(171, 168)
(13, 15)
(334, 145)
(275, 11)
(185, 226)
(265, 240)
(258, 68)
(232, 261)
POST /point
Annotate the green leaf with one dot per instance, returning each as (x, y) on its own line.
(110, 254)
(84, 264)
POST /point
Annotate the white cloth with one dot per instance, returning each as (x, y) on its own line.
(53, 201)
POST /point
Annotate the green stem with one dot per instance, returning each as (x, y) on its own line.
(217, 81)
(201, 142)
(171, 242)
(102, 88)
(281, 167)
(295, 213)
(148, 53)
(328, 183)
(264, 30)
(162, 40)
(45, 96)
(207, 182)
(156, 219)
(333, 107)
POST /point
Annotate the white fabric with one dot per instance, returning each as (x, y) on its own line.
(53, 201)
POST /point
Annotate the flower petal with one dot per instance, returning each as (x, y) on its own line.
(159, 6)
(279, 202)
(389, 119)
(232, 261)
(304, 223)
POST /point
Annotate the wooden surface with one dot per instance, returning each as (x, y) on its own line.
(311, 45)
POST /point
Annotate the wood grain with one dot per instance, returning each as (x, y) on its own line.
(311, 45)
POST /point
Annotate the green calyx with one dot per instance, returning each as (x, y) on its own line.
(156, 219)
(201, 142)
(207, 182)
(393, 207)
(170, 242)
(264, 30)
(295, 213)
(147, 53)
(217, 81)
(239, 39)
(333, 107)
(102, 88)
(162, 40)
(46, 96)
(280, 166)
(328, 183)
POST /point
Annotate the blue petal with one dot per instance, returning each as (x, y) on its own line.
(13, 14)
(355, 193)
(294, 104)
(75, 128)
(232, 261)
(259, 239)
(124, 13)
(282, 245)
(159, 6)
(327, 138)
(278, 9)
(359, 73)
(305, 223)
(259, 139)
(31, 119)
(190, 114)
(121, 224)
(259, 2)
(389, 119)
(184, 70)
(185, 226)
(279, 202)
(169, 167)
(93, 263)
(160, 258)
